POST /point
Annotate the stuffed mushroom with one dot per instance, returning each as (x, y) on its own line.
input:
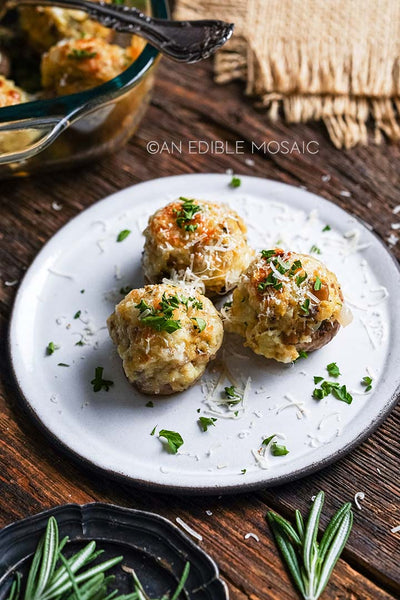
(286, 303)
(10, 93)
(165, 337)
(205, 237)
(45, 26)
(76, 65)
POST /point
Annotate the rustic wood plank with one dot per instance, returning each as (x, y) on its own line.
(35, 476)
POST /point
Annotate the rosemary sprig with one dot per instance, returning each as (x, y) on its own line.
(52, 576)
(310, 563)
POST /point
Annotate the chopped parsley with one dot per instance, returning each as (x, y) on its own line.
(235, 182)
(186, 214)
(81, 54)
(296, 266)
(233, 396)
(317, 379)
(125, 290)
(150, 404)
(99, 383)
(62, 365)
(77, 314)
(153, 430)
(51, 348)
(315, 250)
(305, 307)
(174, 439)
(302, 354)
(200, 324)
(317, 284)
(270, 280)
(333, 370)
(206, 422)
(123, 235)
(332, 387)
(276, 449)
(195, 303)
(243, 471)
(327, 228)
(367, 382)
(301, 278)
(268, 254)
(160, 319)
(80, 343)
(82, 291)
(227, 304)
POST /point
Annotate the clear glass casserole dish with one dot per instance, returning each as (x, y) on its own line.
(69, 130)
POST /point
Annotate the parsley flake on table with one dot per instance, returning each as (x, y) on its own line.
(317, 379)
(99, 383)
(174, 439)
(150, 404)
(77, 314)
(315, 250)
(367, 382)
(62, 365)
(188, 210)
(332, 387)
(123, 235)
(206, 422)
(235, 182)
(243, 471)
(327, 228)
(153, 430)
(333, 369)
(51, 348)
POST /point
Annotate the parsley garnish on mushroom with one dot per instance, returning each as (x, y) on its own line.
(186, 214)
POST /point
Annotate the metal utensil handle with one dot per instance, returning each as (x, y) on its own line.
(187, 41)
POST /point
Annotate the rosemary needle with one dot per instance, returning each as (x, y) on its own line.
(310, 563)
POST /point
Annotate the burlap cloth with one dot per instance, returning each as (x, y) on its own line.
(335, 60)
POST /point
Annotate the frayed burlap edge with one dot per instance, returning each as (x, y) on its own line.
(345, 117)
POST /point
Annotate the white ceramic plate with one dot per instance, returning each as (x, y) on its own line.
(111, 430)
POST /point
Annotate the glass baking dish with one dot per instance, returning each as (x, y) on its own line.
(69, 130)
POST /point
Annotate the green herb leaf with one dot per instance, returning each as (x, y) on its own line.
(62, 365)
(235, 182)
(174, 439)
(227, 304)
(153, 430)
(327, 228)
(279, 450)
(233, 396)
(150, 404)
(51, 348)
(200, 324)
(317, 379)
(123, 235)
(267, 254)
(302, 354)
(81, 54)
(317, 284)
(206, 422)
(243, 471)
(342, 394)
(186, 214)
(99, 383)
(367, 382)
(77, 314)
(315, 250)
(305, 307)
(333, 370)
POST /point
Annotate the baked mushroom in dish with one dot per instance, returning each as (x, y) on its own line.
(45, 26)
(165, 336)
(205, 237)
(76, 65)
(10, 93)
(286, 303)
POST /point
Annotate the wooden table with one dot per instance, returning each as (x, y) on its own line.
(365, 181)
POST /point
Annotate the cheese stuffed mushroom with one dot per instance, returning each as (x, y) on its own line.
(165, 337)
(286, 303)
(205, 237)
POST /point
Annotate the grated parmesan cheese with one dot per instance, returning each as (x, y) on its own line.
(189, 530)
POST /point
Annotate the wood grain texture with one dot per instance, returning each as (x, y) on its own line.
(364, 181)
